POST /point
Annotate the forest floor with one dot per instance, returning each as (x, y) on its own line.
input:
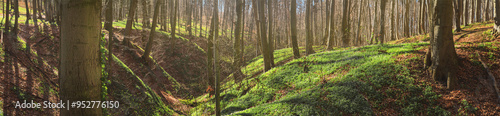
(385, 79)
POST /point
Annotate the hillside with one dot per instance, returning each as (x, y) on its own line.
(370, 80)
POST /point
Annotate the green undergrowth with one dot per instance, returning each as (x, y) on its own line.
(256, 64)
(477, 25)
(340, 82)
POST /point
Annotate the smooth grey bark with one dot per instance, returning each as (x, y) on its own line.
(80, 71)
(293, 28)
(443, 55)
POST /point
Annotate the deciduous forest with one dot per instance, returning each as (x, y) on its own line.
(249, 57)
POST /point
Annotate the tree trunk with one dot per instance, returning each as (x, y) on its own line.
(201, 17)
(370, 31)
(257, 24)
(217, 73)
(497, 18)
(210, 55)
(478, 11)
(189, 17)
(382, 21)
(16, 20)
(393, 15)
(40, 9)
(109, 15)
(458, 13)
(152, 32)
(236, 45)
(327, 24)
(421, 17)
(358, 37)
(28, 17)
(331, 39)
(145, 17)
(173, 17)
(407, 19)
(242, 34)
(309, 41)
(271, 36)
(263, 37)
(396, 34)
(293, 28)
(466, 13)
(35, 17)
(130, 19)
(80, 71)
(486, 11)
(109, 26)
(345, 29)
(443, 54)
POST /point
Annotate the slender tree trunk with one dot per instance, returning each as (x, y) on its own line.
(80, 71)
(201, 17)
(382, 21)
(487, 9)
(309, 38)
(257, 24)
(130, 19)
(28, 17)
(458, 13)
(40, 9)
(263, 36)
(327, 24)
(479, 18)
(16, 20)
(242, 40)
(393, 15)
(173, 17)
(466, 12)
(345, 28)
(149, 45)
(189, 17)
(421, 17)
(6, 65)
(271, 36)
(407, 19)
(473, 11)
(145, 17)
(236, 45)
(109, 26)
(331, 39)
(358, 37)
(217, 73)
(293, 28)
(35, 17)
(396, 34)
(210, 56)
(370, 31)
